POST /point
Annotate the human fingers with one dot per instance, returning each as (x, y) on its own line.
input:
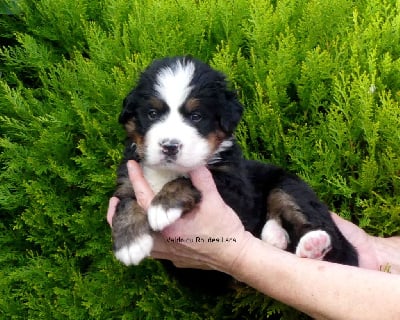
(112, 206)
(202, 179)
(364, 243)
(337, 219)
(349, 230)
(144, 194)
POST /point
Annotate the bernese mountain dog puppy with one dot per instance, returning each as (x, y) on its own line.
(182, 115)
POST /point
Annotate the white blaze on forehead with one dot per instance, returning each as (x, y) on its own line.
(173, 87)
(173, 83)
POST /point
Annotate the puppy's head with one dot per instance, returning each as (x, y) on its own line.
(180, 114)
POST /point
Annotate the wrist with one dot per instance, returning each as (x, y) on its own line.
(230, 256)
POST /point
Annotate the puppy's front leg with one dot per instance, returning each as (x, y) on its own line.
(175, 198)
(132, 239)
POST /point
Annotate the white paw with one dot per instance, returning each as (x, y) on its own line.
(136, 251)
(274, 234)
(159, 218)
(314, 244)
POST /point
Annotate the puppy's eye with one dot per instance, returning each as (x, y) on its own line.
(196, 116)
(153, 114)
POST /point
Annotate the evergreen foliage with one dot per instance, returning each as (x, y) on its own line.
(320, 82)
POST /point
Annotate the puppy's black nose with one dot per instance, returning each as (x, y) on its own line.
(170, 147)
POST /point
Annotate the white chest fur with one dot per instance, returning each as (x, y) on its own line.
(158, 178)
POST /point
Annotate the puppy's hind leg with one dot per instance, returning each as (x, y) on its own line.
(314, 244)
(274, 234)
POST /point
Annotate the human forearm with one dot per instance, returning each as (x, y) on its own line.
(320, 289)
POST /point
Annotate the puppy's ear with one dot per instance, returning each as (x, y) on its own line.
(231, 112)
(128, 108)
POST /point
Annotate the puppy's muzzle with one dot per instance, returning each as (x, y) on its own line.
(170, 147)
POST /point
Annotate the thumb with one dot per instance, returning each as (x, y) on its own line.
(202, 179)
(142, 189)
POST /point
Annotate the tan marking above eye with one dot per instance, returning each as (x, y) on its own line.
(156, 103)
(192, 104)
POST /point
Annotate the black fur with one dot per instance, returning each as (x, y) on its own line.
(245, 185)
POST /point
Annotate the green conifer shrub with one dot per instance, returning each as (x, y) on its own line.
(320, 83)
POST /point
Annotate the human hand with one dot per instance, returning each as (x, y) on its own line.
(363, 242)
(375, 253)
(192, 241)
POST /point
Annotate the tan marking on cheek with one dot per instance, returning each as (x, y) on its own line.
(135, 137)
(140, 149)
(215, 139)
(130, 128)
